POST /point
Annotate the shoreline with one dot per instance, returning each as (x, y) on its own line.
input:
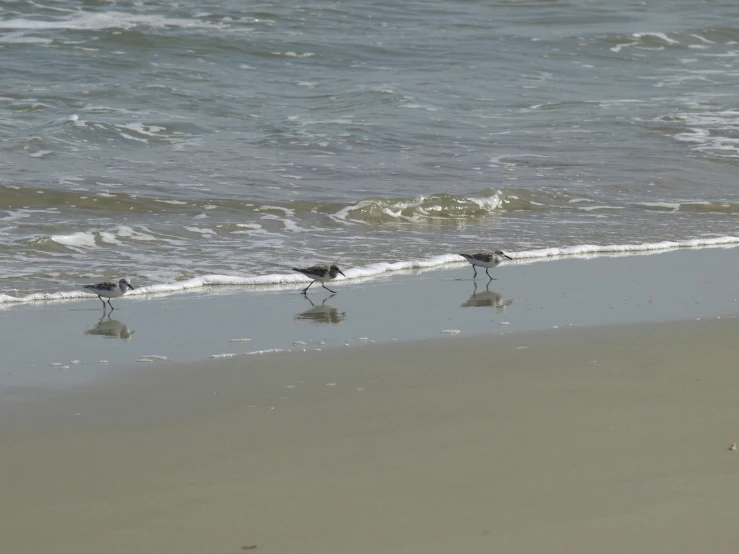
(147, 333)
(277, 282)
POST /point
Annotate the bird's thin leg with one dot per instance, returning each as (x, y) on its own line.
(101, 300)
(475, 270)
(305, 290)
(486, 272)
(111, 305)
(328, 289)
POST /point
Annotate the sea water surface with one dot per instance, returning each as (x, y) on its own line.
(189, 143)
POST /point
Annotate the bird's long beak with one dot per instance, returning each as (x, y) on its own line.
(130, 287)
(342, 273)
(507, 256)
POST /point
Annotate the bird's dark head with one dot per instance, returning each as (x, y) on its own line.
(334, 271)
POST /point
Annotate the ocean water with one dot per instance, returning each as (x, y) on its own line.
(192, 143)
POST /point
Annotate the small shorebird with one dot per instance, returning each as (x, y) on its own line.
(486, 260)
(320, 273)
(110, 290)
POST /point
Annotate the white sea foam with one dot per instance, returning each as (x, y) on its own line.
(128, 232)
(417, 209)
(80, 240)
(173, 202)
(711, 131)
(254, 352)
(289, 224)
(618, 47)
(109, 238)
(593, 208)
(278, 281)
(21, 38)
(200, 230)
(130, 137)
(143, 129)
(12, 215)
(106, 20)
(674, 206)
(489, 203)
(661, 36)
(590, 249)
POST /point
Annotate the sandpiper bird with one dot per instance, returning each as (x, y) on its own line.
(486, 260)
(320, 273)
(110, 290)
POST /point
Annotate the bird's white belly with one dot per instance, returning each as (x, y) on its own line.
(481, 263)
(108, 293)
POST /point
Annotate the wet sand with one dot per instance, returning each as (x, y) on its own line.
(680, 284)
(601, 439)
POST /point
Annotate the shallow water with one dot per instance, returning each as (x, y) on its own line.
(171, 142)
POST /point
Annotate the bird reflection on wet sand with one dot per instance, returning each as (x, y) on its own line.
(111, 329)
(486, 299)
(321, 313)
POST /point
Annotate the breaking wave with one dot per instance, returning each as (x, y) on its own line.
(435, 206)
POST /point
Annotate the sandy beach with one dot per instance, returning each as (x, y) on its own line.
(604, 439)
(577, 405)
(583, 400)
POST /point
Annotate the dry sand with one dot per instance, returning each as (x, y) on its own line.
(612, 439)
